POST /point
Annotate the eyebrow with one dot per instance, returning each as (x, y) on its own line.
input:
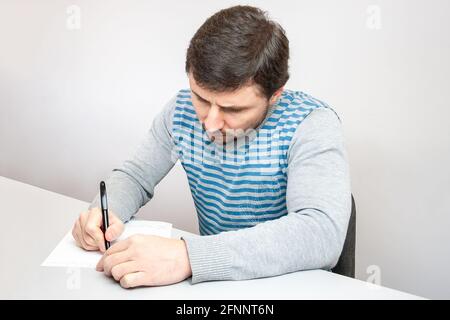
(230, 107)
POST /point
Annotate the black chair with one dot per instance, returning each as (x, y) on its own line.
(346, 262)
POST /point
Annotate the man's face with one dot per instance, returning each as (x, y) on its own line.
(226, 115)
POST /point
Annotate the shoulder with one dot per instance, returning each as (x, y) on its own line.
(180, 102)
(317, 113)
(177, 105)
(321, 127)
(321, 119)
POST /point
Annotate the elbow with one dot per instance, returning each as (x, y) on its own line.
(330, 237)
(335, 248)
(333, 258)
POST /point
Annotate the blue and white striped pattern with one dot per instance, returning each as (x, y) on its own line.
(247, 185)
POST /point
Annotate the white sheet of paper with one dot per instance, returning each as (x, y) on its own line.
(68, 254)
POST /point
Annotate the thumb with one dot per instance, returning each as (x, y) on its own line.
(114, 230)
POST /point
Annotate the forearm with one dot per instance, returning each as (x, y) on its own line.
(299, 241)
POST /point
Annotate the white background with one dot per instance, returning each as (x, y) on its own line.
(74, 103)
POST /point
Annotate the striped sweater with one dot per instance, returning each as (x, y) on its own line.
(276, 202)
(242, 185)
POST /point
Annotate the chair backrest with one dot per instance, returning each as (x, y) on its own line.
(346, 262)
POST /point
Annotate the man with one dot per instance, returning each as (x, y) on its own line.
(266, 166)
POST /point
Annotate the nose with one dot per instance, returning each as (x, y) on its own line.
(213, 121)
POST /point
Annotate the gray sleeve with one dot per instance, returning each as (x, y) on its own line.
(310, 236)
(132, 185)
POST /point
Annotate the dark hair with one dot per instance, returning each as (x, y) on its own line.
(238, 45)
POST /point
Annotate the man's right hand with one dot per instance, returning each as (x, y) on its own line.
(87, 230)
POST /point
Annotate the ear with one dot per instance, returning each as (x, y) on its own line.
(276, 95)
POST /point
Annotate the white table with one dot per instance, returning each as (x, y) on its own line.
(34, 220)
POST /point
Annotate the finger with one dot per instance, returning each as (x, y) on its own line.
(132, 280)
(121, 269)
(86, 237)
(111, 261)
(115, 228)
(118, 246)
(75, 233)
(79, 234)
(93, 229)
(115, 248)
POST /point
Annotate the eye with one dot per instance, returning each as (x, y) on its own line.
(231, 110)
(203, 102)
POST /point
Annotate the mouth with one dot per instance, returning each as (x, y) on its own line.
(218, 137)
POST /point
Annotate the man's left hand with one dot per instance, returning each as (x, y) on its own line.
(143, 260)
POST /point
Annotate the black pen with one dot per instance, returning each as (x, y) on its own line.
(105, 219)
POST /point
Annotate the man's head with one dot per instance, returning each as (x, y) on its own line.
(237, 63)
